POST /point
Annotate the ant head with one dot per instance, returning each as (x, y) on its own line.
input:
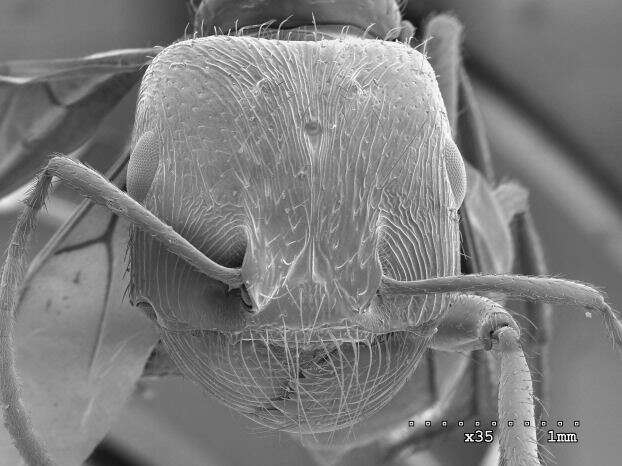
(315, 168)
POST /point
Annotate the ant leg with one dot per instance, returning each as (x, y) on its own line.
(537, 316)
(518, 444)
(471, 137)
(530, 255)
(442, 39)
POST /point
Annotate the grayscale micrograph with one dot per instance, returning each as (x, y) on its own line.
(310, 232)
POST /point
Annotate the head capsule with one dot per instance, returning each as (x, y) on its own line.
(316, 167)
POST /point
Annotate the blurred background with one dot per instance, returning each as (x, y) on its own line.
(547, 74)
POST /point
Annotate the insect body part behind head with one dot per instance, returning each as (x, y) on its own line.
(347, 181)
(225, 16)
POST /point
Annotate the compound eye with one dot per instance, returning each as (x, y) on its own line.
(455, 171)
(142, 166)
